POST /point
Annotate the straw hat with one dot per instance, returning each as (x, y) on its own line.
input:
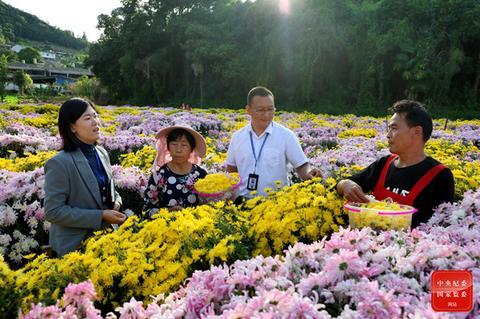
(163, 155)
(200, 144)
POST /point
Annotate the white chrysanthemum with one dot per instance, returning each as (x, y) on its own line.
(456, 215)
(5, 239)
(7, 216)
(18, 235)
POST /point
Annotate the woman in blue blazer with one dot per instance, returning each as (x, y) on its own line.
(80, 196)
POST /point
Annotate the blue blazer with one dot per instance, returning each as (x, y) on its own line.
(73, 202)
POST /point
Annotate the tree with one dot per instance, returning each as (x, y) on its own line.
(23, 81)
(348, 53)
(90, 88)
(29, 54)
(10, 55)
(3, 75)
(18, 24)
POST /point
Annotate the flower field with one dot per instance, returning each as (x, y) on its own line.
(291, 255)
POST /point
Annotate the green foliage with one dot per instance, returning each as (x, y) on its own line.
(3, 76)
(9, 301)
(11, 99)
(4, 50)
(23, 81)
(17, 24)
(364, 54)
(29, 55)
(45, 93)
(90, 88)
(2, 37)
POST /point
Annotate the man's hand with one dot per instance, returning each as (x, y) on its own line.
(352, 191)
(113, 217)
(306, 173)
(315, 172)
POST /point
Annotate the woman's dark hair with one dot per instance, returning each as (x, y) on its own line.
(69, 113)
(178, 133)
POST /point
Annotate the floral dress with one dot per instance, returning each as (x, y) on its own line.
(171, 189)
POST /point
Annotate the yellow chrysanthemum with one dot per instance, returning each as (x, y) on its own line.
(217, 183)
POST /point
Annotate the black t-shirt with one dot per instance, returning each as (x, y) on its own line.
(401, 180)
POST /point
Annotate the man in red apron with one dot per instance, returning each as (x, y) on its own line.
(407, 176)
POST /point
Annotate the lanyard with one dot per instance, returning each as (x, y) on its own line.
(253, 149)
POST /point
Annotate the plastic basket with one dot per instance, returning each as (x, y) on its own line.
(379, 218)
(229, 193)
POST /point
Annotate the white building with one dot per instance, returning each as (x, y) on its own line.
(17, 48)
(48, 55)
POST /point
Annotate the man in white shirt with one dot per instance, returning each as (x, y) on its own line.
(260, 151)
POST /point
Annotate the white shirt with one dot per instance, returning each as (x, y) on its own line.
(281, 147)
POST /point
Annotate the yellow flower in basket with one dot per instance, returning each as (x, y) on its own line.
(218, 186)
(384, 205)
(384, 215)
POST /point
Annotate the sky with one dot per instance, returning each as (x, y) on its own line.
(80, 16)
(77, 16)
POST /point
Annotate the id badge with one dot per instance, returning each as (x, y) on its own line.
(252, 183)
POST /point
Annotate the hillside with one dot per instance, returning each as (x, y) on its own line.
(16, 25)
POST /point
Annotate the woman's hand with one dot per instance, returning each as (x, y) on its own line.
(113, 217)
(117, 207)
(175, 208)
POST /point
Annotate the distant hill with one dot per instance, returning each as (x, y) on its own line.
(16, 24)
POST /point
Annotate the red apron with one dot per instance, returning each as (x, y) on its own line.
(380, 192)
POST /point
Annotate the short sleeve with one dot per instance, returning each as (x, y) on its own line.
(368, 177)
(231, 153)
(294, 152)
(444, 187)
(152, 196)
(202, 172)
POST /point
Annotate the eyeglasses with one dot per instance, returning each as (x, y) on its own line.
(264, 111)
